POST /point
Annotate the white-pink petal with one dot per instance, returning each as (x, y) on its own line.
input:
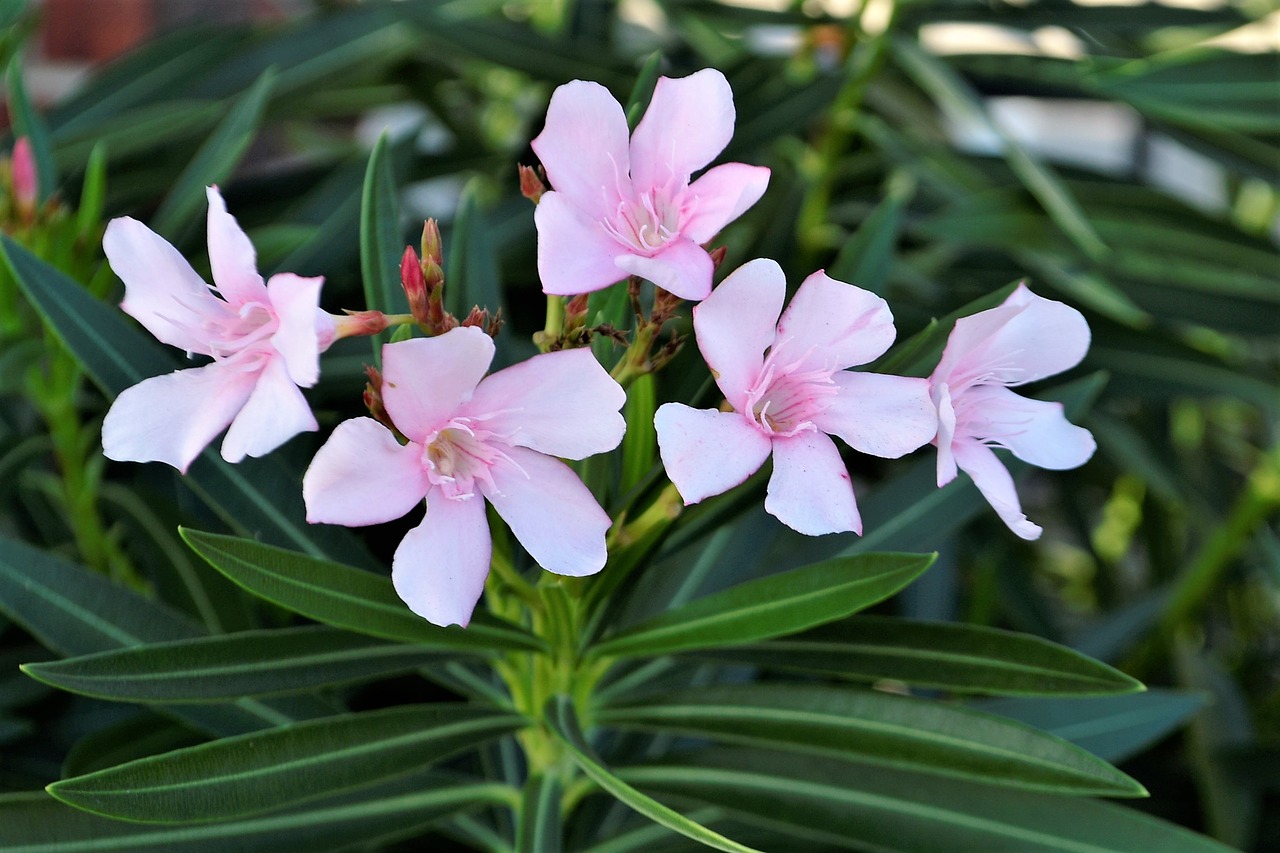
(996, 484)
(362, 476)
(1037, 431)
(720, 196)
(707, 452)
(171, 418)
(426, 380)
(575, 255)
(946, 433)
(832, 325)
(681, 267)
(549, 510)
(559, 403)
(275, 412)
(885, 416)
(689, 121)
(162, 291)
(231, 256)
(809, 490)
(296, 301)
(583, 147)
(440, 567)
(1025, 339)
(736, 324)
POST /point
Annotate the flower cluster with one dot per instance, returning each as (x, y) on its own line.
(448, 433)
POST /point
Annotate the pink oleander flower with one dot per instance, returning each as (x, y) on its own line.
(789, 401)
(622, 208)
(1025, 339)
(265, 340)
(473, 438)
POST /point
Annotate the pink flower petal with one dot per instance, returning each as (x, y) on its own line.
(886, 416)
(707, 452)
(720, 196)
(993, 480)
(162, 291)
(946, 434)
(171, 418)
(689, 121)
(231, 256)
(833, 325)
(1025, 339)
(682, 267)
(809, 490)
(296, 301)
(441, 565)
(552, 514)
(575, 255)
(275, 412)
(362, 475)
(1036, 431)
(583, 147)
(735, 325)
(425, 380)
(559, 403)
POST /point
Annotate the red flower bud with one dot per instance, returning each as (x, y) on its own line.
(531, 186)
(25, 181)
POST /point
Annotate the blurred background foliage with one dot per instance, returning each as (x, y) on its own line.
(1121, 157)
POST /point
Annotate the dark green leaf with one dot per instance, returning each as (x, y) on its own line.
(823, 804)
(772, 606)
(878, 728)
(564, 724)
(250, 774)
(345, 597)
(252, 663)
(539, 829)
(215, 160)
(380, 243)
(1114, 728)
(963, 658)
(27, 122)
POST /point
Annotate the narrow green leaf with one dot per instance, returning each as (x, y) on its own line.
(866, 258)
(642, 91)
(381, 245)
(950, 91)
(822, 804)
(539, 829)
(249, 774)
(878, 728)
(344, 597)
(564, 724)
(963, 658)
(772, 606)
(251, 663)
(27, 122)
(1114, 728)
(134, 737)
(639, 442)
(37, 823)
(471, 268)
(215, 160)
(93, 194)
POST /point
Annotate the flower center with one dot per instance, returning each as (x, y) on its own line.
(458, 454)
(647, 223)
(787, 397)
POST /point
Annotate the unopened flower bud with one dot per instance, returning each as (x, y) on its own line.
(415, 285)
(432, 245)
(373, 397)
(717, 256)
(356, 323)
(25, 182)
(575, 312)
(531, 186)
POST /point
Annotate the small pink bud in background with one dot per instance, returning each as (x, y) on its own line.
(531, 186)
(26, 185)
